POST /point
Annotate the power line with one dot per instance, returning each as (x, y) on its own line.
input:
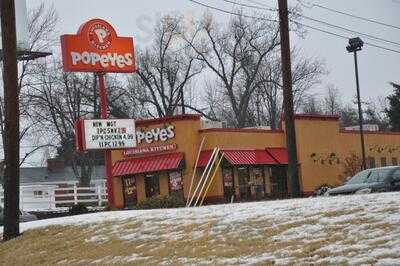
(311, 5)
(344, 37)
(319, 21)
(349, 30)
(252, 6)
(302, 24)
(229, 12)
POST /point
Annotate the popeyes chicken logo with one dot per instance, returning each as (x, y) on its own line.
(97, 48)
(100, 36)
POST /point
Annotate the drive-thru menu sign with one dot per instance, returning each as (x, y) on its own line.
(104, 134)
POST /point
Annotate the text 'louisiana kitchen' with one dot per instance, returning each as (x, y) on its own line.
(105, 60)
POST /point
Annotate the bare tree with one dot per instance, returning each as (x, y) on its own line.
(235, 55)
(165, 70)
(244, 58)
(57, 101)
(348, 116)
(332, 100)
(41, 29)
(311, 105)
(306, 74)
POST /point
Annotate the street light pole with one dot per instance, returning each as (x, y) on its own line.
(360, 116)
(355, 45)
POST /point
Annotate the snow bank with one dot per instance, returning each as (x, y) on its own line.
(357, 229)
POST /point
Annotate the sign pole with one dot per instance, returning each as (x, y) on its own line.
(107, 153)
(97, 48)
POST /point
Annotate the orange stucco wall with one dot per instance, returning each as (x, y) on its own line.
(186, 139)
(318, 138)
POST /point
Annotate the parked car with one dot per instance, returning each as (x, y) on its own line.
(380, 179)
(23, 216)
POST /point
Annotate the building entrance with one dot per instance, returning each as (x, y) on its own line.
(130, 191)
(244, 183)
(152, 185)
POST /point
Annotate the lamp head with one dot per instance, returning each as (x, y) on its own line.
(355, 44)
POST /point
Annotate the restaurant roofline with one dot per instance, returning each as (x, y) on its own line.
(316, 117)
(241, 130)
(167, 119)
(369, 132)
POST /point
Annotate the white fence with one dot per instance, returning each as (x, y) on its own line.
(53, 197)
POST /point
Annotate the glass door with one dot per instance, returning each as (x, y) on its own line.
(244, 186)
(229, 191)
(152, 185)
(130, 192)
(257, 183)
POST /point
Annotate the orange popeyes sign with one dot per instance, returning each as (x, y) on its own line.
(97, 48)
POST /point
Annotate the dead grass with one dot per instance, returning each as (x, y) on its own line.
(196, 242)
(340, 212)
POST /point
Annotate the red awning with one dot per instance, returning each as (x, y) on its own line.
(204, 158)
(148, 164)
(240, 157)
(279, 154)
(248, 157)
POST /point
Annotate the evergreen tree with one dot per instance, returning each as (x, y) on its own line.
(348, 116)
(393, 111)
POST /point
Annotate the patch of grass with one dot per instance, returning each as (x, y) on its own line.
(391, 210)
(155, 241)
(340, 212)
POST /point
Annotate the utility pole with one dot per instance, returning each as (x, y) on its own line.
(293, 172)
(11, 150)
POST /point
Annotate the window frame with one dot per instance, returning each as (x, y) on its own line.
(383, 161)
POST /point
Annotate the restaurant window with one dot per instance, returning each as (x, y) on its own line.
(383, 161)
(371, 162)
(229, 188)
(394, 161)
(257, 183)
(152, 185)
(175, 183)
(279, 186)
(38, 194)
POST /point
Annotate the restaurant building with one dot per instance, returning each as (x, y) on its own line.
(254, 161)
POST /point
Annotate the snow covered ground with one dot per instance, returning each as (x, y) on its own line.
(357, 230)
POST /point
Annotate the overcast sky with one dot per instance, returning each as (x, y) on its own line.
(376, 67)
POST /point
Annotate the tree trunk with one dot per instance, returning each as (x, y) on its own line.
(11, 151)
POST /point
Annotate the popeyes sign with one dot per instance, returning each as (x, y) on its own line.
(97, 48)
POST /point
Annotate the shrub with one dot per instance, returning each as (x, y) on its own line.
(162, 202)
(321, 190)
(79, 208)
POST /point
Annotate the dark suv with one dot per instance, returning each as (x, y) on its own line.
(372, 180)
